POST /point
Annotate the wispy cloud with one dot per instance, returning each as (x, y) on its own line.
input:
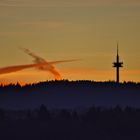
(11, 69)
(40, 66)
(47, 67)
(39, 63)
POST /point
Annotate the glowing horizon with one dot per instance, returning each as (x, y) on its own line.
(22, 77)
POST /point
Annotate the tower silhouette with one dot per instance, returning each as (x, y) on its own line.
(117, 65)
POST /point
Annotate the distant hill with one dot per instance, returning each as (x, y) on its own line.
(70, 94)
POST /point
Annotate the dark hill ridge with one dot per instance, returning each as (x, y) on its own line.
(70, 94)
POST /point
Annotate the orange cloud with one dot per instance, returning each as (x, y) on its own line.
(40, 64)
(48, 65)
(11, 69)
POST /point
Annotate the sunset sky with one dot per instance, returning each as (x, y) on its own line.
(71, 29)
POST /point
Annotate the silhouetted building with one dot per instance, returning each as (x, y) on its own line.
(117, 65)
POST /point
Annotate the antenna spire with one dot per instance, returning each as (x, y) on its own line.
(117, 48)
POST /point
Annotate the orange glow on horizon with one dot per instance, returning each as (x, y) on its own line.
(31, 76)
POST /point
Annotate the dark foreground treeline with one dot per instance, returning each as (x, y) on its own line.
(70, 94)
(94, 123)
(65, 84)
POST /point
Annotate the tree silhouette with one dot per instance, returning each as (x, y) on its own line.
(65, 114)
(2, 114)
(43, 113)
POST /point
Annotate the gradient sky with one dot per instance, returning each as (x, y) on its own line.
(71, 29)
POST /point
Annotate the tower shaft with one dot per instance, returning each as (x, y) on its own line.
(117, 75)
